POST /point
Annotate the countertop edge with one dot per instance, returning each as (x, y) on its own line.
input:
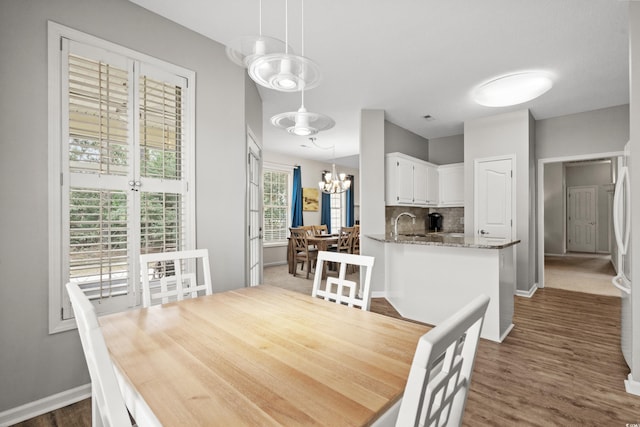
(458, 242)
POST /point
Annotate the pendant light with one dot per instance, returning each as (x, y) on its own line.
(285, 72)
(332, 182)
(302, 122)
(244, 50)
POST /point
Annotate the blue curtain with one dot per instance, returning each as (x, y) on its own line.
(325, 214)
(350, 206)
(296, 198)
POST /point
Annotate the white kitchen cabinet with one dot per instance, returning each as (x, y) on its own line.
(433, 193)
(407, 181)
(451, 185)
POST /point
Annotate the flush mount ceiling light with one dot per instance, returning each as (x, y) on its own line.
(285, 72)
(244, 50)
(513, 89)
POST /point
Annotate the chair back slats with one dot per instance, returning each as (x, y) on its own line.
(303, 251)
(360, 299)
(106, 396)
(320, 229)
(171, 276)
(440, 375)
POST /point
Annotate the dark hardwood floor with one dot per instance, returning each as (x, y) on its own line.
(560, 366)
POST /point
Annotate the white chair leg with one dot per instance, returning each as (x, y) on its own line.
(96, 419)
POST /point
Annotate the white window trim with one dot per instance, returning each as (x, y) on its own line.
(289, 170)
(55, 32)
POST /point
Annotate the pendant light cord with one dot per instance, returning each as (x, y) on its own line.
(260, 20)
(286, 26)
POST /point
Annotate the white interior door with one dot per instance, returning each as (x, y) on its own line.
(254, 206)
(581, 219)
(494, 198)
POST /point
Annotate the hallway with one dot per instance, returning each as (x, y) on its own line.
(580, 272)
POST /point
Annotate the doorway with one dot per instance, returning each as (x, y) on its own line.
(554, 248)
(254, 211)
(582, 218)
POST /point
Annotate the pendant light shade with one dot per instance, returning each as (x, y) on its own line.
(285, 72)
(302, 122)
(244, 50)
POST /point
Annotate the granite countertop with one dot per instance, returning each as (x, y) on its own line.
(459, 240)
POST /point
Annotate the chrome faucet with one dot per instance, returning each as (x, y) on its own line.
(395, 222)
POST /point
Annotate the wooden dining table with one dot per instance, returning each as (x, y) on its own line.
(260, 356)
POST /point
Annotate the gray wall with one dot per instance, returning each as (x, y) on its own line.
(34, 364)
(446, 150)
(554, 208)
(500, 135)
(598, 131)
(253, 108)
(372, 209)
(397, 139)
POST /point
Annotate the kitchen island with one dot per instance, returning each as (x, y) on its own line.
(428, 277)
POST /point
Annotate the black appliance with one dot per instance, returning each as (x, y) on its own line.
(435, 222)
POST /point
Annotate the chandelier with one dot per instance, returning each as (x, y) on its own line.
(332, 182)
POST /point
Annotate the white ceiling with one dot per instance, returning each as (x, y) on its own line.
(417, 57)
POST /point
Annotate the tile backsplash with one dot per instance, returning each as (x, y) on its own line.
(451, 219)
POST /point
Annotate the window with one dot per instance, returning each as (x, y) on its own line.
(338, 211)
(122, 161)
(277, 205)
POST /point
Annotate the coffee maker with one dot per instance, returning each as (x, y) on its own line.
(435, 222)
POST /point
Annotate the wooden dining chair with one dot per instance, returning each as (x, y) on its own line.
(171, 276)
(356, 297)
(320, 229)
(302, 251)
(440, 375)
(107, 404)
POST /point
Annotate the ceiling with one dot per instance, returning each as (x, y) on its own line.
(414, 58)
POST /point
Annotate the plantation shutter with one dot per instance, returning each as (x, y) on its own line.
(125, 181)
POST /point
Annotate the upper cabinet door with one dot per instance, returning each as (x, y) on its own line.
(433, 194)
(404, 174)
(451, 185)
(420, 187)
(398, 181)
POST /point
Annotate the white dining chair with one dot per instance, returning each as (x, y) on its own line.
(108, 408)
(356, 298)
(440, 375)
(171, 276)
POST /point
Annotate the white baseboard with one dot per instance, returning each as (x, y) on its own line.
(273, 264)
(529, 293)
(632, 386)
(42, 406)
(378, 294)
